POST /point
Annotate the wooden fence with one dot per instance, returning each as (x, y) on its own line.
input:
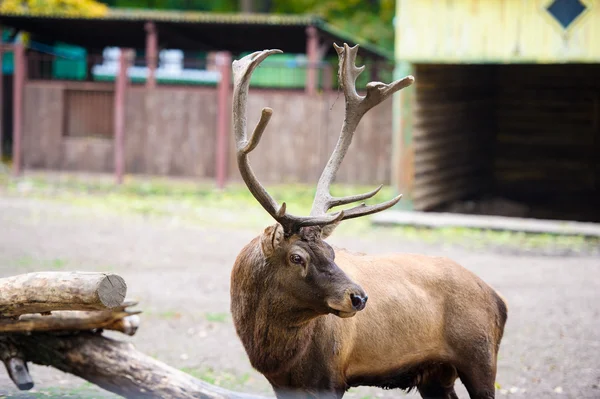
(172, 131)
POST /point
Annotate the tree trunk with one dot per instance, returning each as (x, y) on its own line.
(46, 291)
(115, 366)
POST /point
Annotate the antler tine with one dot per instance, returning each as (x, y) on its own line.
(363, 210)
(242, 72)
(356, 107)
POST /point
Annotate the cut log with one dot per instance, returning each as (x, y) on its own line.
(115, 366)
(48, 291)
(120, 320)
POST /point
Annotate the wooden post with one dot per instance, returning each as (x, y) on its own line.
(223, 61)
(1, 95)
(328, 78)
(403, 175)
(18, 88)
(120, 92)
(312, 49)
(151, 54)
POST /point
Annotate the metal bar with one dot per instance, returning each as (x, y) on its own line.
(18, 88)
(223, 61)
(120, 91)
(312, 53)
(151, 54)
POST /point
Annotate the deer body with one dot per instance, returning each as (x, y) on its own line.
(426, 317)
(300, 307)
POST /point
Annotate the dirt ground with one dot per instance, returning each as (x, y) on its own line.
(179, 272)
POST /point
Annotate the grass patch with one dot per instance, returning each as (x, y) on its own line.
(219, 317)
(219, 378)
(45, 264)
(169, 315)
(201, 203)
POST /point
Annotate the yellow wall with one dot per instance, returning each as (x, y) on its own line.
(493, 31)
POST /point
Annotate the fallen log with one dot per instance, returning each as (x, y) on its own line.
(48, 291)
(115, 366)
(118, 319)
(16, 367)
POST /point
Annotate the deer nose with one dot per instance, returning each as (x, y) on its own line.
(358, 302)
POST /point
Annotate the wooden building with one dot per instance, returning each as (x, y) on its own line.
(506, 105)
(65, 118)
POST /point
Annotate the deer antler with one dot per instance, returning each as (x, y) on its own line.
(242, 71)
(356, 107)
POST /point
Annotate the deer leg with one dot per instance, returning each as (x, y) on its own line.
(480, 381)
(439, 384)
(435, 390)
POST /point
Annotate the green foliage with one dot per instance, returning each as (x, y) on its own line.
(87, 8)
(185, 5)
(370, 20)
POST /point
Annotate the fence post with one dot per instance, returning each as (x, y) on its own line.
(119, 114)
(151, 54)
(18, 88)
(223, 61)
(312, 49)
(1, 95)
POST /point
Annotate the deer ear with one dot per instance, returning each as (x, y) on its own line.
(271, 239)
(327, 230)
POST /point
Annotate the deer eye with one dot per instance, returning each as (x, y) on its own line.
(297, 259)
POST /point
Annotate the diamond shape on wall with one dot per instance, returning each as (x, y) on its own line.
(566, 11)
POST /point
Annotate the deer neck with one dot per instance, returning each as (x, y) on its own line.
(275, 335)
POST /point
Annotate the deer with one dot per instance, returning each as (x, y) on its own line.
(317, 320)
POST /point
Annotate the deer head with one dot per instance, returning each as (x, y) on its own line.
(300, 261)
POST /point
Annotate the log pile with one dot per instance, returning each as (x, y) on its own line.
(57, 319)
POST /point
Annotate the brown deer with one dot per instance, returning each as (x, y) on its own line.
(300, 306)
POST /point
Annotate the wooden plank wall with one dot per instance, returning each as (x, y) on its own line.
(502, 31)
(453, 129)
(303, 132)
(43, 110)
(46, 144)
(172, 131)
(548, 135)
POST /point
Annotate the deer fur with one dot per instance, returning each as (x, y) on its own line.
(316, 321)
(428, 320)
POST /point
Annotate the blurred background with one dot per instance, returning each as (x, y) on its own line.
(117, 154)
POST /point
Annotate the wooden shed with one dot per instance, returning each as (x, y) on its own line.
(506, 106)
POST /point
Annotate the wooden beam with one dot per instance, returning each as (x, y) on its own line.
(151, 54)
(48, 291)
(119, 114)
(115, 366)
(18, 90)
(126, 322)
(403, 175)
(1, 96)
(312, 54)
(223, 60)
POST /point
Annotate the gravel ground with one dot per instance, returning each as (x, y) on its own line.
(180, 274)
